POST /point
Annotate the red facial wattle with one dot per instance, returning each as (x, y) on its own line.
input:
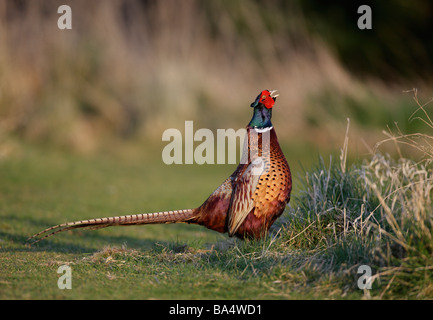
(266, 99)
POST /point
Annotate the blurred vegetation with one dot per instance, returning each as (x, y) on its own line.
(397, 47)
(129, 70)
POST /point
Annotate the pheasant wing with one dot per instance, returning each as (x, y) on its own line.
(244, 189)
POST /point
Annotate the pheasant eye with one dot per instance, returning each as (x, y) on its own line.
(263, 97)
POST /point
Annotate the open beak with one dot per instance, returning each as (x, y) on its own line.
(274, 94)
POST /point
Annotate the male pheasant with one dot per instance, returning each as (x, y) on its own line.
(245, 205)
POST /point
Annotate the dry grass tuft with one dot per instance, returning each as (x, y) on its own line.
(379, 213)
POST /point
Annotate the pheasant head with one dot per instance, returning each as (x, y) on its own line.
(262, 113)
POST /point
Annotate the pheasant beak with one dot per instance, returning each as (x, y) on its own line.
(274, 94)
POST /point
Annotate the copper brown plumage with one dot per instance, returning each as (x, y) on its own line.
(245, 205)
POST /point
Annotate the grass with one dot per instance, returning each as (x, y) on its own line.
(344, 214)
(42, 186)
(377, 212)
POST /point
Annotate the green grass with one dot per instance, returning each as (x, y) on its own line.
(41, 187)
(376, 212)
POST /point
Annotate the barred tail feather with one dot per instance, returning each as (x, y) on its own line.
(128, 220)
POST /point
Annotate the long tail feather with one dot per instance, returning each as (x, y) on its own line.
(128, 220)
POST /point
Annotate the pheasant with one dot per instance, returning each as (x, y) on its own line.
(245, 205)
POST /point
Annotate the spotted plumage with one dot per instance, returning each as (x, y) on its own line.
(245, 205)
